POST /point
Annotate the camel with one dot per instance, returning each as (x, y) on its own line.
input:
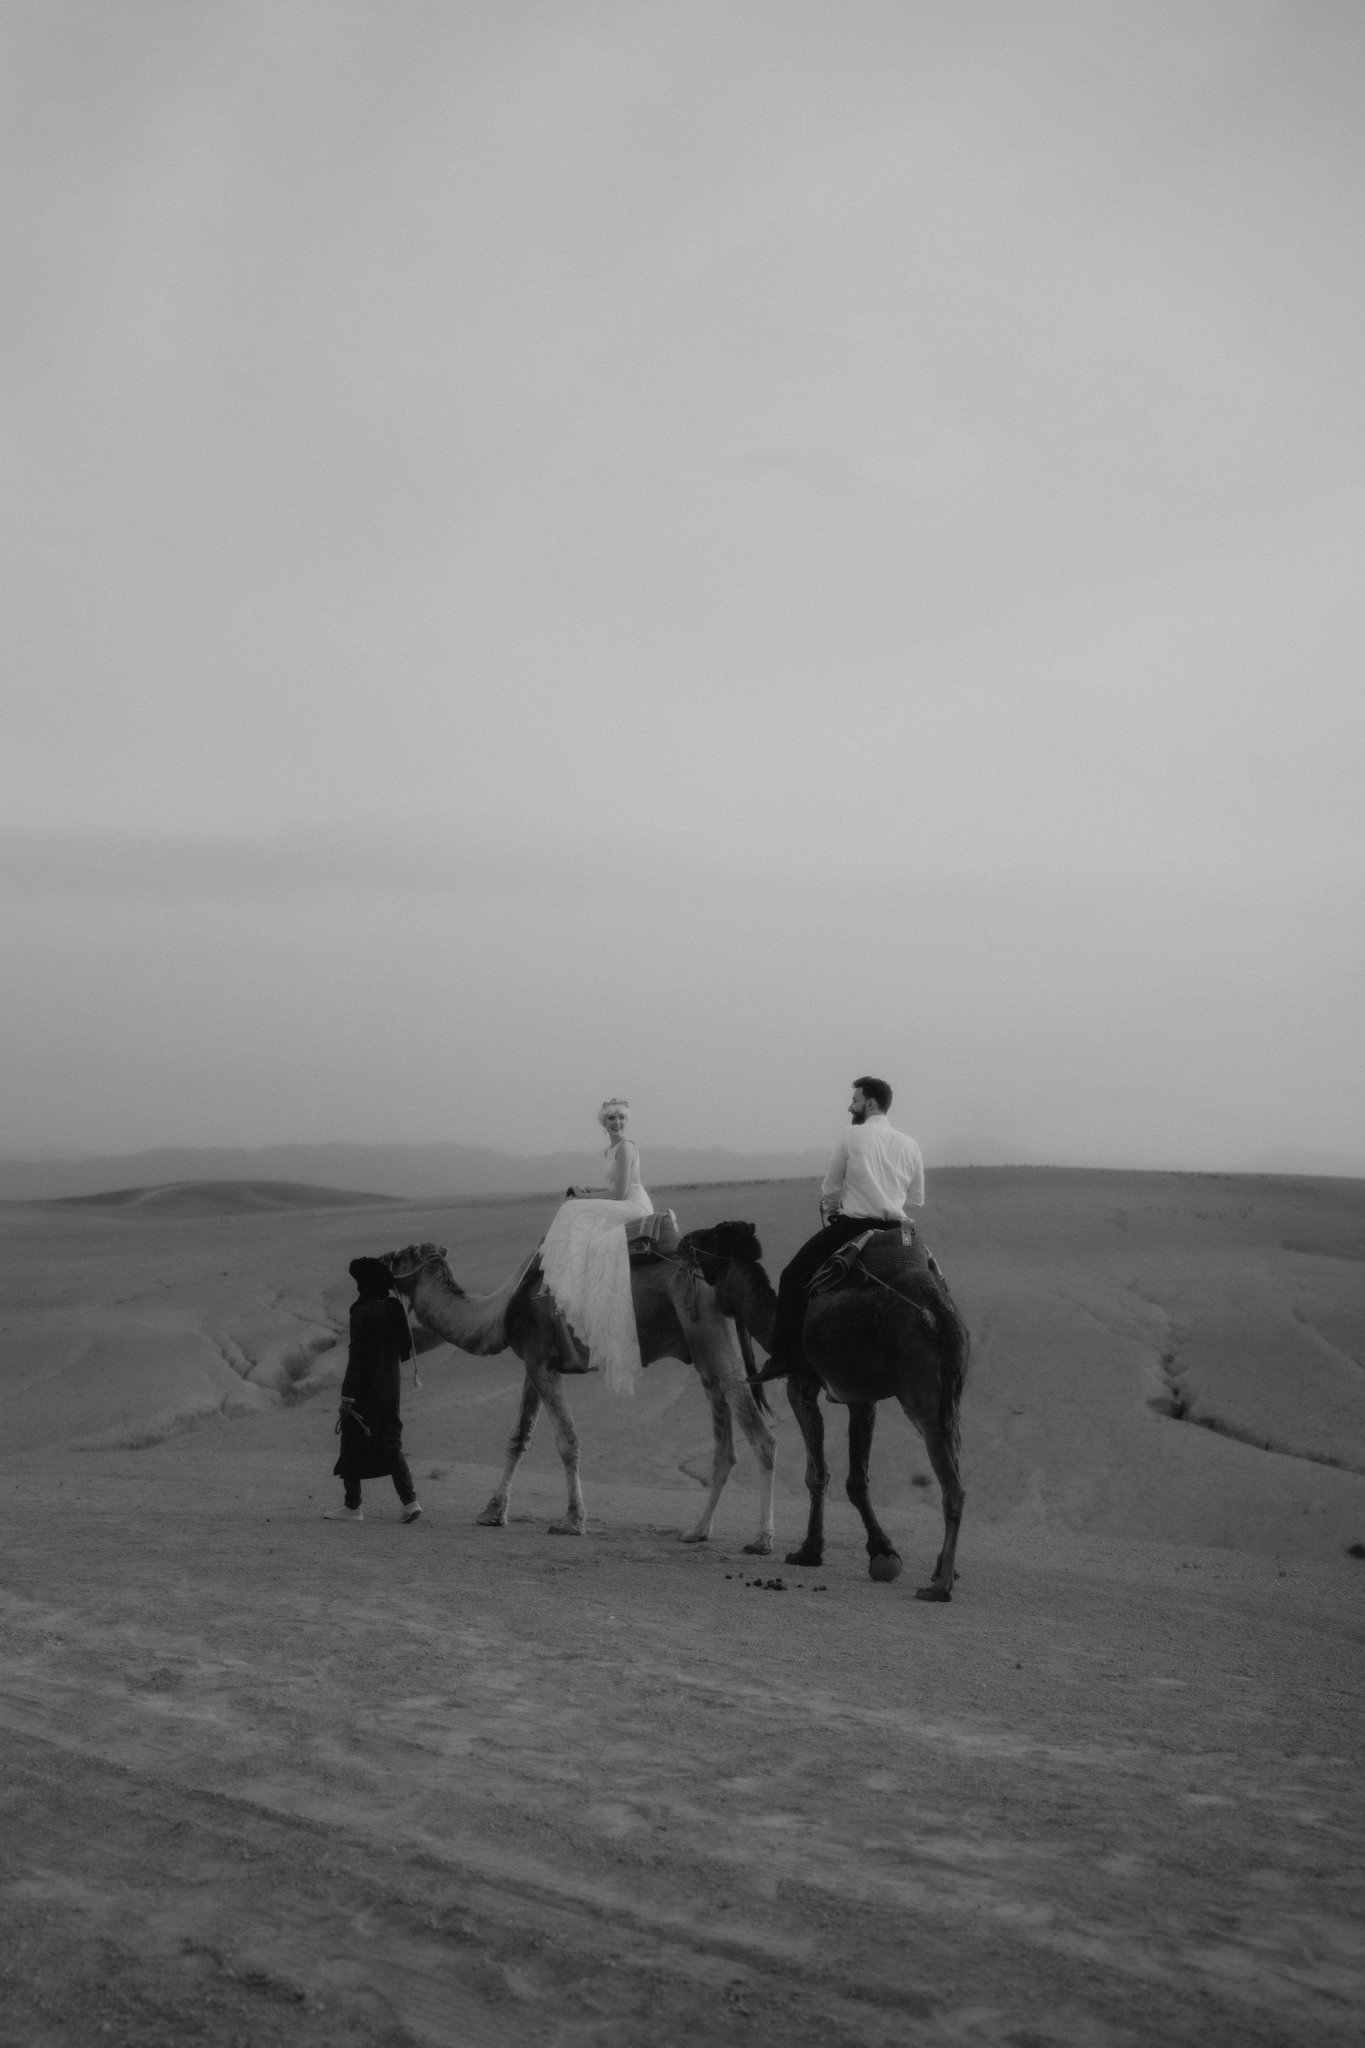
(677, 1317)
(891, 1331)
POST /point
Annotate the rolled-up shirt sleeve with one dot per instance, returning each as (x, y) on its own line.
(832, 1186)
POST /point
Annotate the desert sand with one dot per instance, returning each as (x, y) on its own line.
(272, 1779)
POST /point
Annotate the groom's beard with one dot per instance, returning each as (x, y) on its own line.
(859, 1116)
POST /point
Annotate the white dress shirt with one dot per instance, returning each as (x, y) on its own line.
(875, 1172)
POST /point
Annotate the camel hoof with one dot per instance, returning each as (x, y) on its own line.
(494, 1516)
(762, 1546)
(568, 1527)
(695, 1536)
(885, 1566)
(932, 1592)
(806, 1557)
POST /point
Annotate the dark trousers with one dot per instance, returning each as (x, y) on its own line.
(399, 1472)
(797, 1276)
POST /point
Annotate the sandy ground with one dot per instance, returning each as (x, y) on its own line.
(267, 1778)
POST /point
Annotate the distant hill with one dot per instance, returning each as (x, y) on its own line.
(404, 1172)
(986, 1152)
(1308, 1165)
(222, 1197)
(438, 1172)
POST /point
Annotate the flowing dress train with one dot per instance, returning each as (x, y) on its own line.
(587, 1270)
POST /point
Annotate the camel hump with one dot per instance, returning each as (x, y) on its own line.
(912, 1271)
(888, 1257)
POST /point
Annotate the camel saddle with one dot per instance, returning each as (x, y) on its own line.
(654, 1237)
(884, 1255)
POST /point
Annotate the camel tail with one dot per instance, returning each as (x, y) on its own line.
(752, 1377)
(957, 1345)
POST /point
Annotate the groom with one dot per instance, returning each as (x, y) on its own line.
(876, 1172)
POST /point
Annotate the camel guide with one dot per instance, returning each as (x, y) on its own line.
(369, 1425)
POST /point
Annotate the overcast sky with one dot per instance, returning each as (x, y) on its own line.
(684, 550)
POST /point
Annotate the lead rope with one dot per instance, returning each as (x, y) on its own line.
(407, 1317)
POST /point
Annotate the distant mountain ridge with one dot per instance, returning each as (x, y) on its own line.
(222, 1197)
(462, 1172)
(1308, 1165)
(408, 1172)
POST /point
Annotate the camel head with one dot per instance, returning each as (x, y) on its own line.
(729, 1255)
(414, 1259)
(726, 1242)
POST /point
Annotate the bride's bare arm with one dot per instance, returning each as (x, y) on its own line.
(621, 1170)
(620, 1175)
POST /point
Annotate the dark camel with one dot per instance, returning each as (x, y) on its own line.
(676, 1315)
(893, 1335)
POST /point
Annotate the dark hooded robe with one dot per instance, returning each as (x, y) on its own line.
(371, 1431)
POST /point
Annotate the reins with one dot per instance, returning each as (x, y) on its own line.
(436, 1259)
(412, 1341)
(694, 1260)
(876, 1280)
(690, 1260)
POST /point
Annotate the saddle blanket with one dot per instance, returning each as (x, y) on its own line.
(884, 1255)
(655, 1236)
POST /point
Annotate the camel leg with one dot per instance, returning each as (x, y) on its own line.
(943, 1458)
(862, 1421)
(575, 1522)
(763, 1442)
(494, 1515)
(540, 1389)
(723, 1463)
(803, 1392)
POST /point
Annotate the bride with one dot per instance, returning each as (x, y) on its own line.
(584, 1258)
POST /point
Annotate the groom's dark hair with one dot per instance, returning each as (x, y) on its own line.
(875, 1091)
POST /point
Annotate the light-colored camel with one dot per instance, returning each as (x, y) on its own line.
(892, 1332)
(676, 1316)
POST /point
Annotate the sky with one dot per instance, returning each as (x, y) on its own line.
(690, 551)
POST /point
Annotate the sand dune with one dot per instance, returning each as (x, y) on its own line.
(1111, 1314)
(274, 1779)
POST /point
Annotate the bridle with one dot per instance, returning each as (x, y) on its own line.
(436, 1257)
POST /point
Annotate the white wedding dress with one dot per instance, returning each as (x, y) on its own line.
(587, 1270)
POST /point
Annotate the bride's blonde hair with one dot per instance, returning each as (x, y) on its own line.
(615, 1102)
